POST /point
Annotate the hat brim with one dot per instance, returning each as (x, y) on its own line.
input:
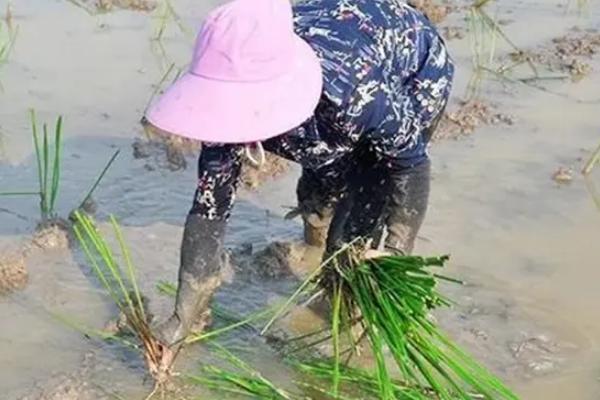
(241, 112)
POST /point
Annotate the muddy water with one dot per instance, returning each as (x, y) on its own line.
(527, 246)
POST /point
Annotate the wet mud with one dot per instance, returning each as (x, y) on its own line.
(52, 235)
(436, 11)
(13, 271)
(71, 386)
(465, 117)
(571, 53)
(175, 153)
(112, 5)
(48, 236)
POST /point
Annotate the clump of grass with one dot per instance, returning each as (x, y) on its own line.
(391, 299)
(121, 285)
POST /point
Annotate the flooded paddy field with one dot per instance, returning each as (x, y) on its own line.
(508, 201)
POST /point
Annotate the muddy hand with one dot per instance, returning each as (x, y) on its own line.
(167, 359)
(371, 254)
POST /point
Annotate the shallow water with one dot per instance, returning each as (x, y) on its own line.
(527, 245)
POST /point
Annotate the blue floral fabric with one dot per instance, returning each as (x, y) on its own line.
(387, 78)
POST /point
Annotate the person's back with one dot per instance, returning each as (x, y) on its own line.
(352, 96)
(377, 58)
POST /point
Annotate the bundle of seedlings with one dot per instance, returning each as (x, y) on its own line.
(388, 300)
(121, 285)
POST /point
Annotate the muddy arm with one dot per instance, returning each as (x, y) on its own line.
(202, 245)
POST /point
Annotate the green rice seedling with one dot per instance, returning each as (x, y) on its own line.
(392, 297)
(8, 36)
(242, 379)
(90, 192)
(587, 176)
(48, 154)
(48, 157)
(121, 285)
(485, 37)
(592, 162)
(90, 10)
(582, 6)
(354, 380)
(166, 14)
(159, 86)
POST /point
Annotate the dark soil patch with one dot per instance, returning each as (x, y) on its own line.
(13, 271)
(111, 5)
(173, 153)
(467, 117)
(569, 53)
(52, 235)
(436, 11)
(453, 32)
(277, 260)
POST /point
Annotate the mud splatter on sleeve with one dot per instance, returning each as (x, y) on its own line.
(219, 169)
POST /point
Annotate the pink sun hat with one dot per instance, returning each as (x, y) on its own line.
(251, 77)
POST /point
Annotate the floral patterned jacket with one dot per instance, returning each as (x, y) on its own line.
(387, 77)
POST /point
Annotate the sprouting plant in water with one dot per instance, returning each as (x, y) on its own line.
(48, 157)
(486, 35)
(171, 72)
(240, 379)
(166, 14)
(48, 146)
(588, 178)
(583, 6)
(8, 35)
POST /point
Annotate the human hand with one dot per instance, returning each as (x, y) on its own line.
(372, 253)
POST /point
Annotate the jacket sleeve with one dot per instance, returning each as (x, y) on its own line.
(219, 169)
